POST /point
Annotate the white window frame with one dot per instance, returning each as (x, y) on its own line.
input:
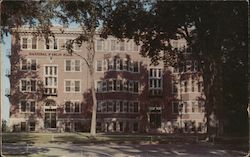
(102, 66)
(28, 105)
(36, 43)
(22, 43)
(72, 85)
(72, 106)
(53, 75)
(156, 72)
(72, 65)
(28, 85)
(51, 44)
(29, 64)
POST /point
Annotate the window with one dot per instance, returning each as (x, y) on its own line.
(72, 86)
(99, 106)
(32, 126)
(136, 86)
(175, 107)
(120, 106)
(32, 106)
(72, 65)
(77, 65)
(33, 85)
(24, 43)
(51, 44)
(175, 87)
(110, 106)
(28, 106)
(192, 85)
(100, 45)
(199, 86)
(125, 64)
(33, 64)
(67, 106)
(29, 64)
(99, 65)
(28, 85)
(185, 86)
(24, 64)
(136, 106)
(125, 106)
(72, 107)
(99, 86)
(136, 67)
(50, 78)
(155, 82)
(122, 46)
(113, 45)
(34, 43)
(68, 65)
(77, 86)
(104, 86)
(55, 44)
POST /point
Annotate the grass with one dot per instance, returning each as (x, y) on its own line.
(86, 138)
(101, 138)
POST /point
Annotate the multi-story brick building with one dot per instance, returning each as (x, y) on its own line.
(50, 89)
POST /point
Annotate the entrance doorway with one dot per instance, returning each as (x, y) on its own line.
(155, 117)
(50, 114)
(50, 118)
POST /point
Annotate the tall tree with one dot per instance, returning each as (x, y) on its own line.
(215, 31)
(88, 15)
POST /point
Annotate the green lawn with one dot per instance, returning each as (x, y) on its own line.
(86, 138)
(106, 138)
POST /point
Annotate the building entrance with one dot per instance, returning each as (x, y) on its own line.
(50, 115)
(155, 117)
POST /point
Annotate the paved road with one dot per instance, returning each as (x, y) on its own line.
(124, 150)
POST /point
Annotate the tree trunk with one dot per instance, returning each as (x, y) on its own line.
(93, 119)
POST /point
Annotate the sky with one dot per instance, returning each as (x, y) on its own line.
(6, 85)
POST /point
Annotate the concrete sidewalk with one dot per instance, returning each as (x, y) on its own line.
(124, 150)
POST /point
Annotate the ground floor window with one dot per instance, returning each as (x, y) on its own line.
(32, 126)
(118, 126)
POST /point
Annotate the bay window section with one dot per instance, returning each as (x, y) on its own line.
(155, 82)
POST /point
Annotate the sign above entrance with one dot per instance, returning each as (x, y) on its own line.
(154, 108)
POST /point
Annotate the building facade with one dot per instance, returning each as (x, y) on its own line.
(50, 88)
